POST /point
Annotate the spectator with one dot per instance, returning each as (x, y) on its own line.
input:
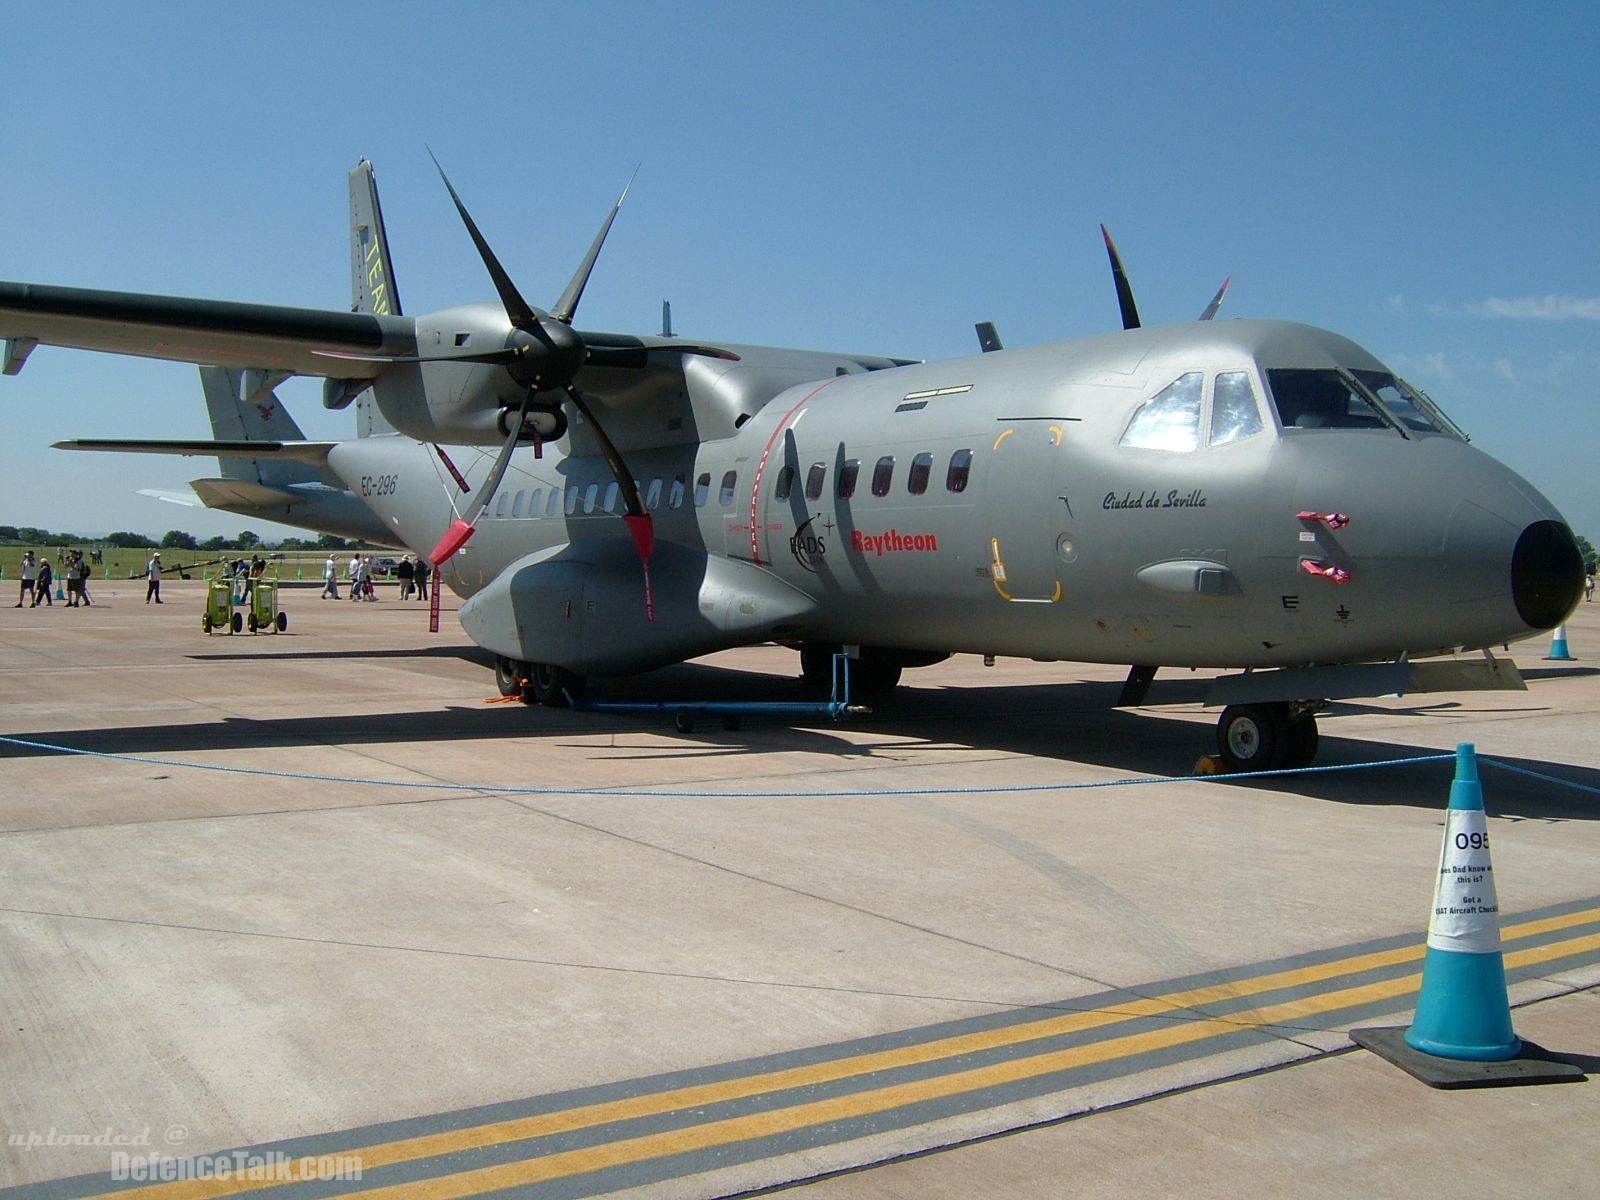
(330, 579)
(30, 574)
(41, 587)
(407, 570)
(152, 573)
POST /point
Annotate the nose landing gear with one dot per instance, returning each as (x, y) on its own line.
(1268, 737)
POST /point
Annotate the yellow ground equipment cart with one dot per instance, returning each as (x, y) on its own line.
(264, 611)
(219, 616)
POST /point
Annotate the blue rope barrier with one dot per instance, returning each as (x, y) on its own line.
(518, 790)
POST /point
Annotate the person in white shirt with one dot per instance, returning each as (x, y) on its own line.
(152, 573)
(330, 579)
(30, 572)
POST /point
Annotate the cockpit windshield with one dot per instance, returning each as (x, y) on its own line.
(1334, 398)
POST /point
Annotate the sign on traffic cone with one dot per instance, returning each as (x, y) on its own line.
(1558, 646)
(1462, 1011)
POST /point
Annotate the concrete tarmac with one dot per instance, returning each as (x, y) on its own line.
(484, 947)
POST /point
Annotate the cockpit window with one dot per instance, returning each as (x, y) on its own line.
(1234, 415)
(1169, 420)
(1405, 404)
(1321, 399)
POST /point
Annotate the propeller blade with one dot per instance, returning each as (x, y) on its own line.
(1216, 301)
(567, 306)
(619, 469)
(463, 527)
(521, 314)
(1130, 311)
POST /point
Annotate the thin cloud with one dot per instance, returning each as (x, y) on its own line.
(1538, 308)
(1503, 368)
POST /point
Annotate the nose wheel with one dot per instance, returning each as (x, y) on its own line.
(1267, 737)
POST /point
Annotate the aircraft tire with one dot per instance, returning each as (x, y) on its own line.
(1253, 737)
(550, 685)
(877, 674)
(508, 675)
(816, 666)
(683, 720)
(1301, 750)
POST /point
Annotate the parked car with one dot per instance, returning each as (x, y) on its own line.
(384, 566)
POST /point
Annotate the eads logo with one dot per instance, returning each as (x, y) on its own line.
(808, 544)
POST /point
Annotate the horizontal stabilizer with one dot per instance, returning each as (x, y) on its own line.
(234, 493)
(309, 452)
(187, 499)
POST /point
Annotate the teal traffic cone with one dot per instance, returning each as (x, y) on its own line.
(1463, 1011)
(60, 594)
(1558, 646)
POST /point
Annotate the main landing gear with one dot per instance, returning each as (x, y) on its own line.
(1268, 737)
(537, 683)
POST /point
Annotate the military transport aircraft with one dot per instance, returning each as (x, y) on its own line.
(1249, 494)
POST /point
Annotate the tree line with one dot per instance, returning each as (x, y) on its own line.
(173, 539)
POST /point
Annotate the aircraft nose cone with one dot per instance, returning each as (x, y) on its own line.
(1546, 574)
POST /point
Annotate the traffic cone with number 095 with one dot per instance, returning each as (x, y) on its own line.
(1463, 1011)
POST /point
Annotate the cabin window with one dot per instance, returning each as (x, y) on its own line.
(675, 496)
(815, 478)
(702, 489)
(535, 498)
(1234, 415)
(955, 479)
(553, 505)
(502, 505)
(572, 498)
(780, 490)
(1169, 420)
(847, 478)
(652, 495)
(609, 504)
(516, 503)
(589, 494)
(921, 468)
(725, 493)
(883, 475)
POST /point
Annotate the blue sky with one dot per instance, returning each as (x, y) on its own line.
(869, 177)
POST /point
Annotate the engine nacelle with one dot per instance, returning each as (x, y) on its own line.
(459, 403)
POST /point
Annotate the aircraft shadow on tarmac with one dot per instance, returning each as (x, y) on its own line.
(1072, 721)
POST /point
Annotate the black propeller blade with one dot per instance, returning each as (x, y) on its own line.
(546, 355)
(1130, 311)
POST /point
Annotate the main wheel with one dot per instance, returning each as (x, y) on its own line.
(547, 683)
(1253, 737)
(816, 666)
(876, 674)
(508, 675)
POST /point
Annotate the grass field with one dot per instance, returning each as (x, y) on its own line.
(292, 565)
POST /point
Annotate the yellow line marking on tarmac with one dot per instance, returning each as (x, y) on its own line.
(751, 1126)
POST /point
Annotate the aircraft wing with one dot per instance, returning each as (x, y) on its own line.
(310, 452)
(221, 333)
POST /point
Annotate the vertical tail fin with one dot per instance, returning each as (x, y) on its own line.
(372, 276)
(244, 408)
